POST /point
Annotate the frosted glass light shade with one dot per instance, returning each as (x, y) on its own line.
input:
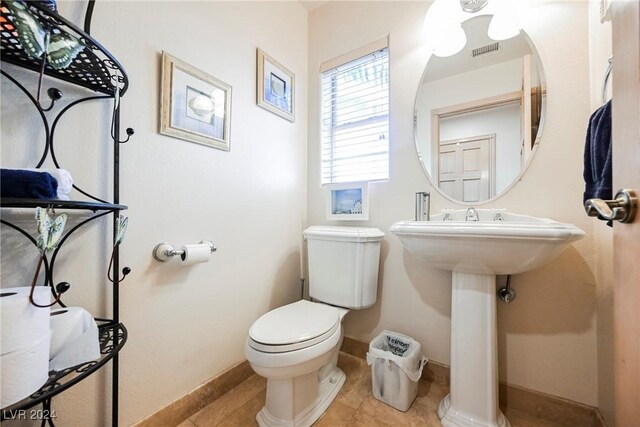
(451, 41)
(443, 31)
(503, 26)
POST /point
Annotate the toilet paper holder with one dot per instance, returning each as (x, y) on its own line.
(164, 251)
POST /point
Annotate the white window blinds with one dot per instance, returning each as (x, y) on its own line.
(355, 119)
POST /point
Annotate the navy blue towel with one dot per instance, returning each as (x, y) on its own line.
(27, 184)
(597, 155)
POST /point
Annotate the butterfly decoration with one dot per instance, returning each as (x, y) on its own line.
(60, 48)
(49, 228)
(121, 229)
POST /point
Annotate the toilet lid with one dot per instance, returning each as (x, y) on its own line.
(299, 323)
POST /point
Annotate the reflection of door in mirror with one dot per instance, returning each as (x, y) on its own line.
(467, 168)
(489, 88)
(500, 116)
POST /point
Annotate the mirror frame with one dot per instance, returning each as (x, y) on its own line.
(534, 149)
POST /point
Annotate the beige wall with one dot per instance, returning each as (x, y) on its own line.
(547, 337)
(186, 324)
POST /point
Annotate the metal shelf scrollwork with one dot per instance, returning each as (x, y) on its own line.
(112, 338)
(94, 68)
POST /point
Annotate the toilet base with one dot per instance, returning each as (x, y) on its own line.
(327, 390)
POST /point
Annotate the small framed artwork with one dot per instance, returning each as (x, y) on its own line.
(348, 201)
(275, 87)
(196, 106)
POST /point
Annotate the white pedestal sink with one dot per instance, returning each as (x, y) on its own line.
(499, 243)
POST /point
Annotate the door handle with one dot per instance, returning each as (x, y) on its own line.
(623, 208)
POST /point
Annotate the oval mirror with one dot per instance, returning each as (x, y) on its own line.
(479, 113)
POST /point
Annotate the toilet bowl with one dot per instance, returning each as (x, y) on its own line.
(295, 347)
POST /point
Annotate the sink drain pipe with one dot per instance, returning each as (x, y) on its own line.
(507, 294)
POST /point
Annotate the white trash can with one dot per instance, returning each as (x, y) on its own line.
(396, 367)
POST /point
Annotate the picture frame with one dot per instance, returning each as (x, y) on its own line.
(195, 106)
(275, 86)
(348, 201)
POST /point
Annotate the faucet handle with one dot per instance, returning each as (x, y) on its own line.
(472, 215)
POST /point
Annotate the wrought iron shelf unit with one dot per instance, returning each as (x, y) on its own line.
(97, 70)
(112, 338)
(94, 68)
(9, 202)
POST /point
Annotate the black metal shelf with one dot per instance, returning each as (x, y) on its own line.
(94, 68)
(10, 202)
(112, 338)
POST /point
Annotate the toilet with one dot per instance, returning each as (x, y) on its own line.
(295, 347)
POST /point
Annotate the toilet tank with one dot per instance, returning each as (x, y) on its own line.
(343, 265)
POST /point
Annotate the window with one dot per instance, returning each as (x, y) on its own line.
(355, 116)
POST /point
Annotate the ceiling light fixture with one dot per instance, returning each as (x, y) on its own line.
(443, 23)
(472, 6)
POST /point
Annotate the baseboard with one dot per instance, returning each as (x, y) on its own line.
(184, 407)
(541, 405)
(601, 422)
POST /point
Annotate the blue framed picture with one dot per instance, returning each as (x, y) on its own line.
(195, 106)
(276, 87)
(348, 201)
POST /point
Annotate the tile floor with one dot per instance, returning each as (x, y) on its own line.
(354, 405)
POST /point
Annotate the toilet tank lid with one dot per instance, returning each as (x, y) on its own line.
(354, 234)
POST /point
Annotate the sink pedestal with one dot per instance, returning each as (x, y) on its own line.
(475, 251)
(473, 399)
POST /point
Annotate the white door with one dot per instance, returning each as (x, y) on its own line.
(626, 174)
(467, 168)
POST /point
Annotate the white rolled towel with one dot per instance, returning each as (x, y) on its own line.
(65, 181)
(62, 176)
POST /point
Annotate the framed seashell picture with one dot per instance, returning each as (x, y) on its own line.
(276, 87)
(196, 106)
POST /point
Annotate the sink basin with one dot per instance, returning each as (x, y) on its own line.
(514, 244)
(476, 251)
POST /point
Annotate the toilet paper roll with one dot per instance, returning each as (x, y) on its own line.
(74, 338)
(195, 254)
(23, 324)
(67, 325)
(24, 371)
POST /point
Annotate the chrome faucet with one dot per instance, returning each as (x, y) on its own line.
(472, 215)
(423, 206)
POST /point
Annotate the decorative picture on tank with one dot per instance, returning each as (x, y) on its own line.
(348, 201)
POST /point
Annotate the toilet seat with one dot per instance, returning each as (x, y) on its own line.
(293, 327)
